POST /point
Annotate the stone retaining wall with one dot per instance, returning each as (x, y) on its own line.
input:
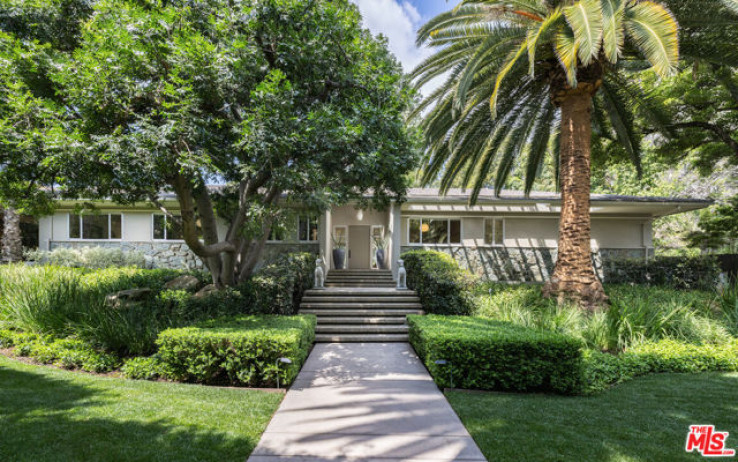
(177, 255)
(521, 264)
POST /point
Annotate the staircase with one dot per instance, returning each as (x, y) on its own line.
(360, 306)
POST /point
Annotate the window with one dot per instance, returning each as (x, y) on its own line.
(108, 226)
(307, 229)
(276, 234)
(494, 231)
(434, 231)
(167, 229)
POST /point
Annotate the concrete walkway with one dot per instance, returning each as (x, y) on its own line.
(365, 402)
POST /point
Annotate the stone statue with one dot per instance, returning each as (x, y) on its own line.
(319, 274)
(401, 275)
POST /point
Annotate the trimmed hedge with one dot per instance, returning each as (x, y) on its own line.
(676, 272)
(442, 286)
(278, 287)
(237, 351)
(492, 355)
(603, 370)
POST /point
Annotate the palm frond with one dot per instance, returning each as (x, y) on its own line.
(622, 122)
(585, 19)
(613, 35)
(534, 36)
(655, 32)
(565, 46)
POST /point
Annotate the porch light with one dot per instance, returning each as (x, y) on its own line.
(360, 215)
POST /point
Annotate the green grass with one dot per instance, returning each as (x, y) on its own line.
(646, 419)
(53, 415)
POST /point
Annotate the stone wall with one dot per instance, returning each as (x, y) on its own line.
(177, 255)
(520, 264)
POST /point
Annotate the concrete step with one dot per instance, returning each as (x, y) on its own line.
(361, 329)
(351, 272)
(330, 279)
(358, 312)
(369, 299)
(361, 338)
(366, 305)
(359, 292)
(359, 284)
(323, 320)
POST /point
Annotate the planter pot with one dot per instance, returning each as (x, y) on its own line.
(339, 258)
(381, 264)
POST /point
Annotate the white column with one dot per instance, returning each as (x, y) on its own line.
(395, 229)
(326, 243)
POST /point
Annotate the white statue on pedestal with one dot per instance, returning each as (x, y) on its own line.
(401, 275)
(319, 274)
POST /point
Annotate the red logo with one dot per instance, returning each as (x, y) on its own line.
(708, 442)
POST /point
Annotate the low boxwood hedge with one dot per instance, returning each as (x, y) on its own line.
(492, 355)
(442, 286)
(237, 351)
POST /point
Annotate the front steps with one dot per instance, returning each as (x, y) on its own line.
(360, 306)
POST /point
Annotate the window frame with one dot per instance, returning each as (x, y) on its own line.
(310, 219)
(166, 231)
(81, 227)
(448, 230)
(494, 232)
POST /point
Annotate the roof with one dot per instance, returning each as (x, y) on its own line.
(456, 194)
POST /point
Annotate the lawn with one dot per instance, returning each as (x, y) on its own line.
(646, 419)
(49, 414)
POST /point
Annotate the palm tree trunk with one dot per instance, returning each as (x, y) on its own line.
(574, 277)
(12, 244)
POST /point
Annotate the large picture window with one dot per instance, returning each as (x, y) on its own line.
(434, 231)
(95, 227)
(307, 229)
(494, 231)
(167, 229)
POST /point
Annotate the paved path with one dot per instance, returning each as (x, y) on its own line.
(365, 402)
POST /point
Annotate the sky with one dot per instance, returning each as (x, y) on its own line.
(399, 21)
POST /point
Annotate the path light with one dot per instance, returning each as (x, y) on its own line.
(443, 362)
(283, 361)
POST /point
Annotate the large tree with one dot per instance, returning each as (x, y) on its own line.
(285, 103)
(532, 77)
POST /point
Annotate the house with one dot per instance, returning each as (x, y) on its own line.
(507, 238)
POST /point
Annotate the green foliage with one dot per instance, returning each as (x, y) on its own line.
(699, 273)
(603, 370)
(492, 355)
(727, 299)
(238, 351)
(443, 287)
(718, 228)
(278, 287)
(144, 368)
(87, 257)
(637, 314)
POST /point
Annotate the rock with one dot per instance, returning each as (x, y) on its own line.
(206, 290)
(186, 282)
(127, 297)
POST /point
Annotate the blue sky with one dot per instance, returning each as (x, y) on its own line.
(399, 20)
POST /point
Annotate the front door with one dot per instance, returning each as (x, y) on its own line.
(358, 247)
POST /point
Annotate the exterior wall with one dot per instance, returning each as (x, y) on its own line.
(347, 215)
(158, 254)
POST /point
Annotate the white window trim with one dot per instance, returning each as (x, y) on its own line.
(166, 218)
(448, 230)
(310, 218)
(81, 228)
(494, 232)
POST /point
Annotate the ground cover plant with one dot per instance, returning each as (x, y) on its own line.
(647, 419)
(50, 414)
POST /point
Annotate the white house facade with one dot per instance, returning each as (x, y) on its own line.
(505, 238)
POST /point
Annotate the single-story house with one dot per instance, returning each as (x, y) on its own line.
(509, 237)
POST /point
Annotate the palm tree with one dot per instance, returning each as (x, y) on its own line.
(529, 78)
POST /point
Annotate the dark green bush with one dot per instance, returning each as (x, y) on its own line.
(238, 351)
(69, 353)
(145, 368)
(677, 272)
(603, 370)
(493, 355)
(443, 287)
(278, 287)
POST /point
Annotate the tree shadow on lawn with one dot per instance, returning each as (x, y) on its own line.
(44, 418)
(646, 419)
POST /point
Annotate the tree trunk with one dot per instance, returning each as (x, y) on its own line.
(12, 243)
(574, 277)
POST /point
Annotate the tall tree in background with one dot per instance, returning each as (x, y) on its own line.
(283, 102)
(522, 70)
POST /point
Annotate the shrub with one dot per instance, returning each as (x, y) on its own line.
(69, 353)
(87, 257)
(443, 287)
(603, 370)
(238, 351)
(678, 272)
(144, 368)
(493, 355)
(278, 287)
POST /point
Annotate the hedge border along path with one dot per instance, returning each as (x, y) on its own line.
(492, 355)
(238, 351)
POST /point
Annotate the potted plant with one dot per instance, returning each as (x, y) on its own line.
(381, 243)
(339, 251)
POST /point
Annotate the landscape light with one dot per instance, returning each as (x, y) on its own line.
(283, 361)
